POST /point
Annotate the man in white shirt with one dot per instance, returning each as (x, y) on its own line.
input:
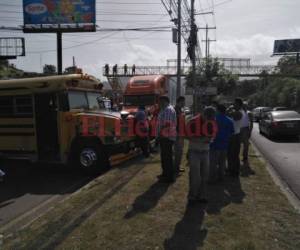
(246, 129)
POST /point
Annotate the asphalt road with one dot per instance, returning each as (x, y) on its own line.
(284, 156)
(27, 187)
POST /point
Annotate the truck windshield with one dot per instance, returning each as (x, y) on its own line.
(136, 100)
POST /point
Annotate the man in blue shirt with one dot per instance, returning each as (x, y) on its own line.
(219, 146)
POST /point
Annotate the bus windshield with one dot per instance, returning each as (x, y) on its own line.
(137, 100)
(88, 100)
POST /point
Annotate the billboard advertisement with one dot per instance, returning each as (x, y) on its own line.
(11, 47)
(286, 46)
(59, 15)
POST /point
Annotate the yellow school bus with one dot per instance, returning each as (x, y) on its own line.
(43, 119)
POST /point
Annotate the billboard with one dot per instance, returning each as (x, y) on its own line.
(59, 15)
(11, 47)
(287, 46)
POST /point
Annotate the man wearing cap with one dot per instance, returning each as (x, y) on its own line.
(166, 135)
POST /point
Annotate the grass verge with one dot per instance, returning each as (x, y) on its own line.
(128, 209)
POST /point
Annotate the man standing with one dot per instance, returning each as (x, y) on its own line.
(219, 146)
(125, 69)
(179, 143)
(200, 133)
(133, 69)
(166, 135)
(106, 68)
(246, 129)
(115, 69)
(235, 141)
(142, 130)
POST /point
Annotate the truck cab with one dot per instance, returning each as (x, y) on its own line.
(145, 90)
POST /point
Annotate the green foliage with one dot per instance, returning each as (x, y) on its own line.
(288, 65)
(279, 92)
(49, 69)
(9, 71)
(214, 74)
(247, 87)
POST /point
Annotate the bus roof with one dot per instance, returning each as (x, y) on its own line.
(49, 83)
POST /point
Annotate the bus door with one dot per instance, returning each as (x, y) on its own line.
(46, 109)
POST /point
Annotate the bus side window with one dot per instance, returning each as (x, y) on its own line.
(63, 102)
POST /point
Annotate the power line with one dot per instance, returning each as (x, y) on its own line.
(92, 42)
(74, 46)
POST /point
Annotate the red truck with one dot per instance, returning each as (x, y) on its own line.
(146, 90)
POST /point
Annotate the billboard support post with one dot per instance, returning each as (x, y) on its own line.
(58, 16)
(59, 52)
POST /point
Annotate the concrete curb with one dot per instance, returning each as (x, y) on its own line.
(292, 198)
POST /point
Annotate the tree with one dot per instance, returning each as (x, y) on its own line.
(49, 69)
(288, 65)
(214, 74)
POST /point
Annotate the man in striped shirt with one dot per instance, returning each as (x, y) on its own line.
(166, 135)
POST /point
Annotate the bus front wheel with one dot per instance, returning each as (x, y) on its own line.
(91, 158)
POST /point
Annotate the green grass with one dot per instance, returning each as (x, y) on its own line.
(128, 209)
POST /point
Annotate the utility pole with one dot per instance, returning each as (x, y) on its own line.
(74, 63)
(193, 42)
(207, 40)
(59, 52)
(207, 46)
(178, 88)
(206, 43)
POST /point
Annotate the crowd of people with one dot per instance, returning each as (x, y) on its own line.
(215, 135)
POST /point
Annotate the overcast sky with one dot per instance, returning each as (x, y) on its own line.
(245, 29)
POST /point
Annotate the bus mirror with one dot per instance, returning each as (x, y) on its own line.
(63, 102)
(124, 114)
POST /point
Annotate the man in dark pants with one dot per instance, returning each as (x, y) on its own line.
(179, 143)
(106, 67)
(125, 69)
(166, 135)
(235, 141)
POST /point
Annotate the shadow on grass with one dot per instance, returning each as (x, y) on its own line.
(222, 194)
(147, 200)
(246, 170)
(189, 233)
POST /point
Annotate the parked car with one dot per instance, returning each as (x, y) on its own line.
(280, 123)
(258, 112)
(280, 108)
